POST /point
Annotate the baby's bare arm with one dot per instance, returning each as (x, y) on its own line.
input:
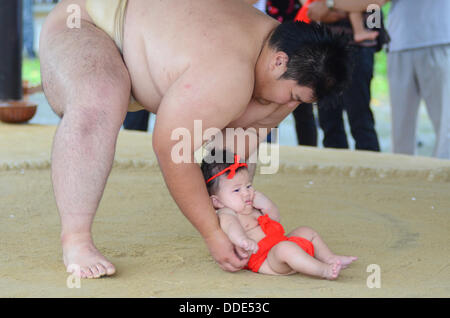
(266, 206)
(230, 224)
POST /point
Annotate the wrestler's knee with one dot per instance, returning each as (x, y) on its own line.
(101, 113)
(106, 101)
(83, 68)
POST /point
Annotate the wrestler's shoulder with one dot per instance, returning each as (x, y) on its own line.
(223, 72)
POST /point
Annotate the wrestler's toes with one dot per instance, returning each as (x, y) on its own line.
(86, 272)
(110, 269)
(101, 269)
(94, 271)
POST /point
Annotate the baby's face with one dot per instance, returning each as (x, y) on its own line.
(237, 193)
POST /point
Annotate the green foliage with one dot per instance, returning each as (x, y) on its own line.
(31, 71)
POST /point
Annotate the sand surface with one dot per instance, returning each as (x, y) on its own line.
(388, 210)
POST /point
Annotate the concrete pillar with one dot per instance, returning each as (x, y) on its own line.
(10, 50)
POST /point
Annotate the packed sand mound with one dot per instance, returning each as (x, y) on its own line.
(389, 210)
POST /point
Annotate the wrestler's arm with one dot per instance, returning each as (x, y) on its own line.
(252, 140)
(215, 96)
(232, 227)
(262, 127)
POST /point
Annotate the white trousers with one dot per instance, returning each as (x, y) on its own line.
(261, 5)
(414, 75)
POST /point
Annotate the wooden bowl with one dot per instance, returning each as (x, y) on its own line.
(17, 111)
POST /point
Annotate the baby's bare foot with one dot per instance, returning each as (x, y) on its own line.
(83, 259)
(332, 271)
(345, 260)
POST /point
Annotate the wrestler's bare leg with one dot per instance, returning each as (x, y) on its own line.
(321, 250)
(87, 84)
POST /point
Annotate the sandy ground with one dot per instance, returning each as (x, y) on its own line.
(390, 210)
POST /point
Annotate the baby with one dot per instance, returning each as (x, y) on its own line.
(250, 220)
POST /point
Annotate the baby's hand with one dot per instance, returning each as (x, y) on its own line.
(260, 201)
(249, 245)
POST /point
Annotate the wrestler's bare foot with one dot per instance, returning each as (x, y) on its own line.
(345, 260)
(365, 35)
(332, 270)
(82, 258)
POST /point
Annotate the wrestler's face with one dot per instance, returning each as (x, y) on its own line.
(283, 91)
(270, 87)
(236, 194)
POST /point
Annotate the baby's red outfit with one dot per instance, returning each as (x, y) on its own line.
(274, 234)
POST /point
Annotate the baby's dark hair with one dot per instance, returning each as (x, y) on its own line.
(318, 58)
(213, 163)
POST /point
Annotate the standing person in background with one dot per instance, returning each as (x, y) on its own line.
(360, 33)
(28, 28)
(137, 120)
(260, 5)
(356, 98)
(419, 67)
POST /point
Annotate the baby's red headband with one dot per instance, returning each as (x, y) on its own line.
(232, 169)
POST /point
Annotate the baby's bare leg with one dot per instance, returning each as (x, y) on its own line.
(321, 250)
(286, 257)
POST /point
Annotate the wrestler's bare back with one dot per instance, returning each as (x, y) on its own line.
(163, 39)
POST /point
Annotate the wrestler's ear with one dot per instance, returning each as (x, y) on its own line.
(216, 202)
(278, 63)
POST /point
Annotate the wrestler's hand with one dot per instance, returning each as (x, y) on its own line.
(226, 255)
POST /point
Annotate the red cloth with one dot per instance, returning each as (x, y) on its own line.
(231, 168)
(274, 234)
(302, 14)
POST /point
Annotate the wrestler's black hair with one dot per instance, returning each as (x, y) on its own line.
(318, 59)
(213, 164)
